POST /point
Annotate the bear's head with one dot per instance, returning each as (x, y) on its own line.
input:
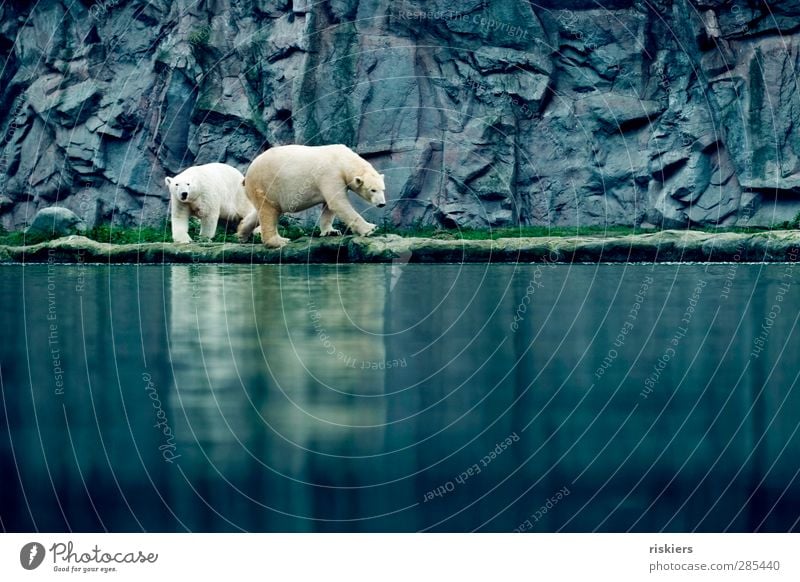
(182, 188)
(369, 185)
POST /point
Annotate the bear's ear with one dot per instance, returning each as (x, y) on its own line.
(168, 181)
(358, 181)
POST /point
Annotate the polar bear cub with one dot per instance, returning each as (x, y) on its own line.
(211, 192)
(294, 177)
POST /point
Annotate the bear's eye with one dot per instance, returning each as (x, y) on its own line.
(373, 191)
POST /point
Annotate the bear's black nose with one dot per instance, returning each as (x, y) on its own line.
(380, 205)
(184, 195)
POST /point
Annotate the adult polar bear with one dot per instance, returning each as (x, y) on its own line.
(211, 192)
(294, 177)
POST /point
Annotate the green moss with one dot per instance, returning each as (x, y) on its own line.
(315, 122)
(146, 234)
(509, 232)
(118, 235)
(200, 36)
(110, 234)
(790, 224)
(19, 238)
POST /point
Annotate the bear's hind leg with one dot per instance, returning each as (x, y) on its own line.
(268, 217)
(246, 227)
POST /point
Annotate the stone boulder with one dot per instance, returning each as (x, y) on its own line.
(55, 221)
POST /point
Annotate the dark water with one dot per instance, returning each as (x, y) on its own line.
(400, 398)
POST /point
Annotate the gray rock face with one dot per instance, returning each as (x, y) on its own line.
(56, 221)
(669, 112)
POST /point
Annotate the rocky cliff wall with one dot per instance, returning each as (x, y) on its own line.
(481, 113)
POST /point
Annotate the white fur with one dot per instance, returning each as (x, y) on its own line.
(214, 192)
(294, 177)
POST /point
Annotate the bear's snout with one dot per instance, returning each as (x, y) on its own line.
(378, 199)
(184, 195)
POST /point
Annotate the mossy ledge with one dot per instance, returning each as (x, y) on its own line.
(663, 246)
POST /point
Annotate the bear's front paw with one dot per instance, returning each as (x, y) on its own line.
(276, 242)
(331, 232)
(367, 229)
(182, 238)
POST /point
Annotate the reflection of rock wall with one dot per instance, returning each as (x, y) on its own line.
(715, 416)
(497, 113)
(81, 433)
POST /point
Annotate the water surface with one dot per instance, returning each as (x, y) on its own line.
(399, 398)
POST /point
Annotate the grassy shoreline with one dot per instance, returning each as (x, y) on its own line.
(646, 247)
(150, 234)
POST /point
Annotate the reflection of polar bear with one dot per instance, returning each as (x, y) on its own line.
(211, 192)
(292, 178)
